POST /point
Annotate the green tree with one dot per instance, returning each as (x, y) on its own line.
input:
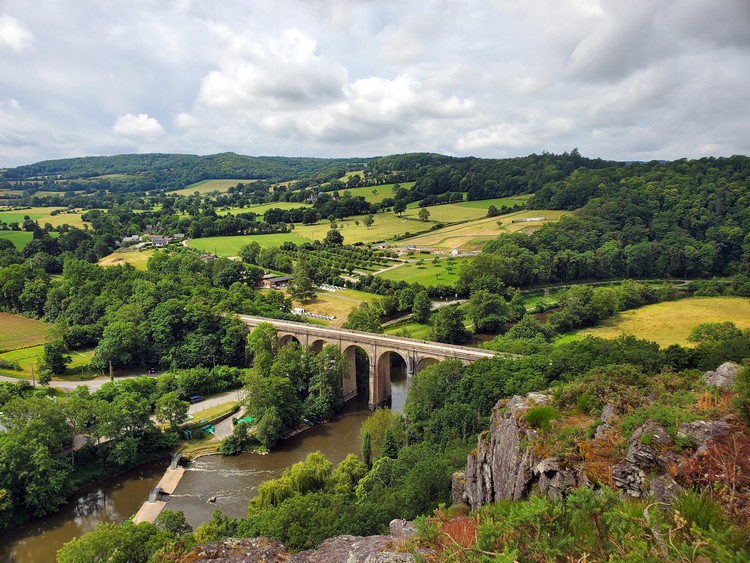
(399, 206)
(171, 409)
(364, 317)
(117, 543)
(424, 214)
(421, 307)
(174, 522)
(448, 325)
(264, 393)
(262, 345)
(333, 238)
(301, 287)
(123, 344)
(54, 356)
(390, 447)
(367, 450)
(369, 221)
(488, 311)
(377, 425)
(249, 253)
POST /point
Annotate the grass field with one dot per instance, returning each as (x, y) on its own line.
(230, 246)
(410, 330)
(208, 186)
(136, 258)
(497, 202)
(473, 235)
(671, 322)
(33, 355)
(375, 194)
(19, 238)
(337, 304)
(261, 209)
(21, 332)
(42, 216)
(386, 227)
(445, 272)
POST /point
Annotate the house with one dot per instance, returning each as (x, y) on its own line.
(127, 241)
(275, 282)
(159, 241)
(455, 251)
(208, 257)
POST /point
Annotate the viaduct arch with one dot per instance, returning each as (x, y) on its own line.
(417, 354)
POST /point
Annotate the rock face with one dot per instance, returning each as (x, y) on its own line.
(724, 375)
(348, 549)
(503, 467)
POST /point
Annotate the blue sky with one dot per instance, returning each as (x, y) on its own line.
(628, 80)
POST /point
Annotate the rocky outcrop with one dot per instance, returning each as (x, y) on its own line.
(701, 431)
(503, 466)
(349, 549)
(724, 375)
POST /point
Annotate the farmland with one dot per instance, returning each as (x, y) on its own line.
(207, 186)
(136, 258)
(262, 208)
(21, 332)
(42, 216)
(671, 322)
(230, 246)
(33, 355)
(338, 304)
(386, 227)
(375, 194)
(19, 238)
(428, 273)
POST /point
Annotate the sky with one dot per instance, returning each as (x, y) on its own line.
(617, 79)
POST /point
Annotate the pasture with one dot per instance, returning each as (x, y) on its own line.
(386, 227)
(33, 355)
(262, 208)
(19, 238)
(21, 332)
(42, 215)
(473, 235)
(374, 194)
(671, 322)
(207, 186)
(429, 273)
(338, 304)
(136, 258)
(230, 246)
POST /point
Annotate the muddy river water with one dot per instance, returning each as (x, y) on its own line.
(232, 480)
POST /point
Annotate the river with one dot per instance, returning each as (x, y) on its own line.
(232, 480)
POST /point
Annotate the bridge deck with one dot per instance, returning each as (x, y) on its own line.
(375, 339)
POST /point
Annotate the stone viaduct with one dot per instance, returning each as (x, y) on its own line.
(417, 354)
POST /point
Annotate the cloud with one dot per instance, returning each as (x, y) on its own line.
(13, 35)
(140, 125)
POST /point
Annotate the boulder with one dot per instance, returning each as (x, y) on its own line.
(700, 431)
(554, 480)
(724, 375)
(402, 529)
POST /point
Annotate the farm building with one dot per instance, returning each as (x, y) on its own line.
(159, 241)
(528, 219)
(455, 251)
(274, 282)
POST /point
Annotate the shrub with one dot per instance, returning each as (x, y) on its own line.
(701, 510)
(540, 417)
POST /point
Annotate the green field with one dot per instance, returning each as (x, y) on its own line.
(410, 330)
(19, 238)
(21, 332)
(262, 208)
(386, 227)
(671, 322)
(42, 216)
(497, 202)
(374, 194)
(33, 355)
(230, 246)
(338, 304)
(208, 186)
(445, 272)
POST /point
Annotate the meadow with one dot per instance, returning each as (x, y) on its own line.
(18, 238)
(207, 186)
(671, 322)
(262, 208)
(386, 227)
(338, 304)
(21, 332)
(230, 246)
(42, 216)
(33, 355)
(375, 194)
(136, 258)
(445, 272)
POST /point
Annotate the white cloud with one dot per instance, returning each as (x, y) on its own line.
(140, 125)
(13, 35)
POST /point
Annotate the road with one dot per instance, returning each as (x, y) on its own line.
(92, 384)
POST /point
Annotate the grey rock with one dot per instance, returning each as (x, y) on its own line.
(658, 434)
(555, 481)
(458, 487)
(608, 412)
(701, 431)
(402, 529)
(601, 431)
(664, 489)
(724, 375)
(629, 477)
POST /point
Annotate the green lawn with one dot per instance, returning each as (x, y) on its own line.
(410, 330)
(33, 355)
(19, 238)
(230, 246)
(445, 272)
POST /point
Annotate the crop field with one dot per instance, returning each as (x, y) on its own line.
(42, 216)
(21, 332)
(230, 246)
(136, 258)
(445, 272)
(474, 235)
(33, 355)
(338, 304)
(208, 186)
(671, 322)
(260, 209)
(375, 194)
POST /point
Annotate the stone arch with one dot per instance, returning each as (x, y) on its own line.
(380, 391)
(317, 345)
(349, 384)
(285, 339)
(424, 362)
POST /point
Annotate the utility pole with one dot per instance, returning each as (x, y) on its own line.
(33, 380)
